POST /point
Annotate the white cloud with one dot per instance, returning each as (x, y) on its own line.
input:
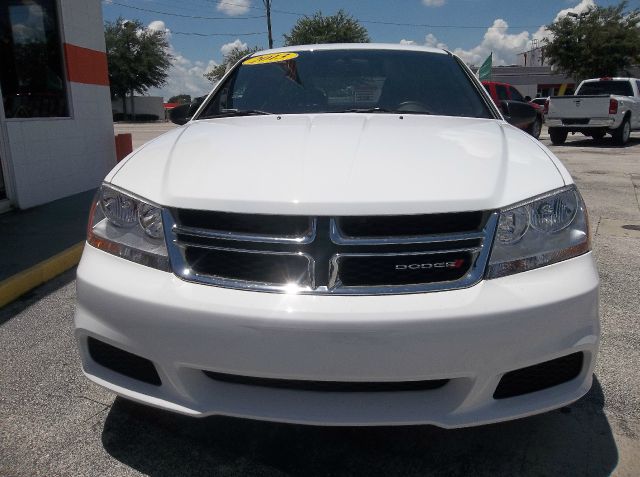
(581, 7)
(159, 25)
(184, 75)
(229, 47)
(234, 7)
(429, 40)
(497, 39)
(433, 3)
(432, 41)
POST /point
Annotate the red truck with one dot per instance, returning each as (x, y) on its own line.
(516, 109)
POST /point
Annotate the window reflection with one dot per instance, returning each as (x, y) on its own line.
(31, 76)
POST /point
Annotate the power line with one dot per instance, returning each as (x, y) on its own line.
(299, 14)
(199, 17)
(239, 5)
(425, 25)
(419, 25)
(234, 4)
(191, 33)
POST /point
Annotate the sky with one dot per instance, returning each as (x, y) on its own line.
(201, 31)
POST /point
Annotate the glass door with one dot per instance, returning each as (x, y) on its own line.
(4, 196)
(3, 190)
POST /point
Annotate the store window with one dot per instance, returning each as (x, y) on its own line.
(32, 75)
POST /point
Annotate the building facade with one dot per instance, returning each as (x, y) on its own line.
(56, 129)
(534, 81)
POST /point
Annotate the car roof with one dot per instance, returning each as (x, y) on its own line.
(606, 78)
(354, 46)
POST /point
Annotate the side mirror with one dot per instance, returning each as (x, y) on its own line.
(504, 108)
(180, 114)
(517, 113)
(527, 99)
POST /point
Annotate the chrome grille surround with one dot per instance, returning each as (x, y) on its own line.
(323, 246)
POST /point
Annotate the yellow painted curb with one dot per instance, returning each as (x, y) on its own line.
(22, 282)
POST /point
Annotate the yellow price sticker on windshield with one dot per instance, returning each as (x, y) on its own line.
(270, 58)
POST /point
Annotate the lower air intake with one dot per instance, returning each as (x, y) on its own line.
(328, 386)
(123, 362)
(539, 376)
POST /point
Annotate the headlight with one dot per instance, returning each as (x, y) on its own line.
(540, 231)
(128, 227)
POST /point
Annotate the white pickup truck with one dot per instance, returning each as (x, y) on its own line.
(599, 106)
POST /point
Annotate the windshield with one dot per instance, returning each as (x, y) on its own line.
(622, 88)
(331, 81)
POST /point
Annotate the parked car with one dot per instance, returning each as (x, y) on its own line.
(342, 234)
(539, 102)
(600, 106)
(181, 114)
(529, 117)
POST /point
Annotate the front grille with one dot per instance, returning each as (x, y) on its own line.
(411, 269)
(328, 386)
(249, 266)
(539, 376)
(416, 225)
(336, 255)
(291, 226)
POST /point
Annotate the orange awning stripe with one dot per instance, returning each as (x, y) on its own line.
(85, 65)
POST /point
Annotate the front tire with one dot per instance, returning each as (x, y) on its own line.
(622, 133)
(535, 128)
(558, 136)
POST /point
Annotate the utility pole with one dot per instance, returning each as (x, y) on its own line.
(267, 6)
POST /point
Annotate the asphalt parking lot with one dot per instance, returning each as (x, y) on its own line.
(54, 422)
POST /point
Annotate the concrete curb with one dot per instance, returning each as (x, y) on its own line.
(20, 283)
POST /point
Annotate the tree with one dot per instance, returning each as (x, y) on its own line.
(138, 58)
(230, 59)
(599, 42)
(338, 28)
(181, 98)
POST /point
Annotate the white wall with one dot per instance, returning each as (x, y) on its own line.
(54, 158)
(51, 158)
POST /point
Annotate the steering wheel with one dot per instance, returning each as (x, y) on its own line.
(413, 106)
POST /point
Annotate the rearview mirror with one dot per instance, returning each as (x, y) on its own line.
(180, 114)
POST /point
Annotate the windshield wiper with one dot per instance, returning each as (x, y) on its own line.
(236, 112)
(381, 110)
(365, 110)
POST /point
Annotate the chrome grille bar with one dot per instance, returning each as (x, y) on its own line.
(227, 235)
(324, 249)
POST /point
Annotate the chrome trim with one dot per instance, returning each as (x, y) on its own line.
(538, 197)
(182, 270)
(480, 256)
(219, 234)
(466, 281)
(339, 238)
(126, 192)
(479, 260)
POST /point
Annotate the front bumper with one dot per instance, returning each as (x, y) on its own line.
(470, 336)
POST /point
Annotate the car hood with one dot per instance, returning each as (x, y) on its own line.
(340, 164)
